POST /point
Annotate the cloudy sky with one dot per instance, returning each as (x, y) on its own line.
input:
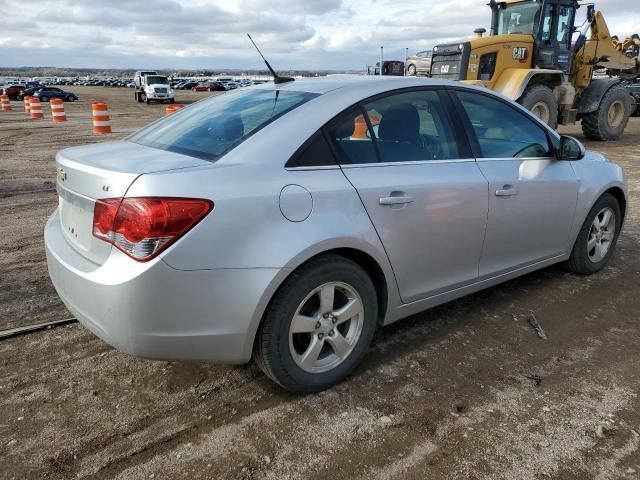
(302, 34)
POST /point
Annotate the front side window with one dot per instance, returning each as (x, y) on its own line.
(518, 19)
(502, 131)
(213, 127)
(412, 126)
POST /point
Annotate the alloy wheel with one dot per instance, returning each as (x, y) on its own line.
(326, 327)
(601, 235)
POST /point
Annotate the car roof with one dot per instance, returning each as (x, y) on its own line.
(324, 85)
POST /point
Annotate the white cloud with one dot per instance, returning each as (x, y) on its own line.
(312, 34)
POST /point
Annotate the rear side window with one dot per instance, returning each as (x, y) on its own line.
(502, 131)
(314, 153)
(215, 126)
(412, 126)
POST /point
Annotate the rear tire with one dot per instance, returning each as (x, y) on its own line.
(285, 354)
(44, 99)
(540, 100)
(411, 70)
(584, 258)
(610, 119)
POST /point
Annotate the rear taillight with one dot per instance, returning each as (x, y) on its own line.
(143, 227)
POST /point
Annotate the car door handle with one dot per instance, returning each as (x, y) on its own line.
(395, 200)
(507, 191)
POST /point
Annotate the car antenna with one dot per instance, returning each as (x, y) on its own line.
(277, 79)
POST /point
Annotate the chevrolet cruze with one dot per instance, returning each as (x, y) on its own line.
(288, 223)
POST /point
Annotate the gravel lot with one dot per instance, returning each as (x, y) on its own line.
(466, 390)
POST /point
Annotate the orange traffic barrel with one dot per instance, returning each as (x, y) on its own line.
(100, 115)
(27, 105)
(5, 105)
(361, 129)
(173, 108)
(35, 108)
(57, 110)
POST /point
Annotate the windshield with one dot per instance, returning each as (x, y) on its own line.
(518, 19)
(211, 128)
(152, 79)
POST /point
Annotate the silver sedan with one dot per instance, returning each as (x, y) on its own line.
(288, 223)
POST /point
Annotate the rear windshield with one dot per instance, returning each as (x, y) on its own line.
(211, 128)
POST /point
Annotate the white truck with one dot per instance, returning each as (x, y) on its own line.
(151, 87)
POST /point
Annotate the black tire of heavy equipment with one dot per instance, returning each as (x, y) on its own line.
(541, 93)
(595, 125)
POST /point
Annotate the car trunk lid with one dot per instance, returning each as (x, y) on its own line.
(107, 170)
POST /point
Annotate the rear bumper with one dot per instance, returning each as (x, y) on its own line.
(152, 310)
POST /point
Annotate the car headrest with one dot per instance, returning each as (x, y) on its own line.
(400, 123)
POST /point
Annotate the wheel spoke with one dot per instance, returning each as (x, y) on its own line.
(591, 243)
(350, 310)
(600, 252)
(596, 222)
(606, 218)
(327, 294)
(607, 235)
(339, 344)
(303, 324)
(311, 354)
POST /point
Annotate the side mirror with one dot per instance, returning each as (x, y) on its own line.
(571, 149)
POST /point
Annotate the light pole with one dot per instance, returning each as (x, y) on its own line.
(406, 56)
(381, 59)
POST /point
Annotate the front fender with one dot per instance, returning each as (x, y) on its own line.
(514, 81)
(596, 176)
(590, 99)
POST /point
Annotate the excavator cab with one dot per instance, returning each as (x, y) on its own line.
(550, 22)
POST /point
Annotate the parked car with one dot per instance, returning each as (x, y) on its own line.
(420, 63)
(47, 93)
(13, 91)
(201, 87)
(258, 223)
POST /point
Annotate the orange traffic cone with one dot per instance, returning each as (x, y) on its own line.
(35, 108)
(100, 115)
(57, 110)
(27, 105)
(173, 108)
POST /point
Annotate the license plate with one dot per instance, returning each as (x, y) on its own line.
(77, 222)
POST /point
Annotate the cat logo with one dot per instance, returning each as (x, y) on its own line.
(520, 53)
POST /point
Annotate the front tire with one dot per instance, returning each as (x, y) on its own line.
(318, 326)
(540, 100)
(597, 238)
(44, 99)
(610, 119)
(411, 70)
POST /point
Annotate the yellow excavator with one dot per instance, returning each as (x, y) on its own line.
(536, 56)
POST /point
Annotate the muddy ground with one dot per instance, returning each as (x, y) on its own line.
(466, 390)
